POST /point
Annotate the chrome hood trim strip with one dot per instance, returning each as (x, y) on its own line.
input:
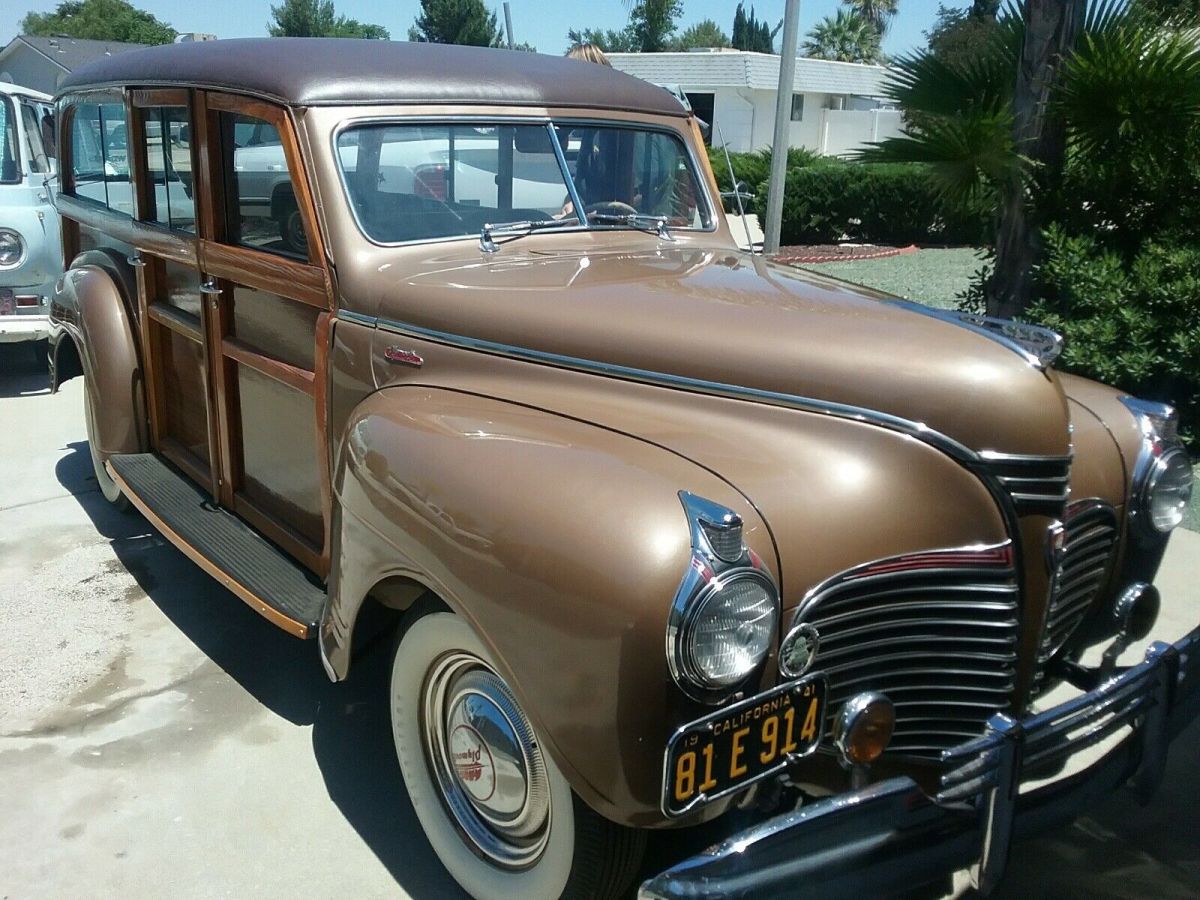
(1037, 345)
(918, 430)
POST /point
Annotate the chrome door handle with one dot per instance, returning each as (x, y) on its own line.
(210, 287)
(136, 261)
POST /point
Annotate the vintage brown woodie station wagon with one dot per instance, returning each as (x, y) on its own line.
(676, 534)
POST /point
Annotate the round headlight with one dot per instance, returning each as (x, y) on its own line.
(730, 628)
(1168, 490)
(12, 248)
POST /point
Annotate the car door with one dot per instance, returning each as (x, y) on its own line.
(237, 324)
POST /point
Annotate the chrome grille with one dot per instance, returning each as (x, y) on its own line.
(935, 631)
(1037, 484)
(1091, 536)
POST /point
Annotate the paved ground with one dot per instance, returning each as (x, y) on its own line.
(159, 738)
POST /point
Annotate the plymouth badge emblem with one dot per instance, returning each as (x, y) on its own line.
(798, 650)
(473, 763)
(400, 355)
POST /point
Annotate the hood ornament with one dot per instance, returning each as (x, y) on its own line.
(1038, 345)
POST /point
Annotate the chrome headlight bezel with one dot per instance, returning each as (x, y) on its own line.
(1158, 424)
(22, 248)
(710, 574)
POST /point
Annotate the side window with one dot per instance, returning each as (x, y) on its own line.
(100, 155)
(39, 162)
(169, 167)
(260, 203)
(10, 153)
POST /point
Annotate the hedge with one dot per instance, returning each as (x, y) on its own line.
(888, 203)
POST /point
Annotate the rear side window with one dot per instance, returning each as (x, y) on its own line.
(100, 155)
(261, 211)
(169, 167)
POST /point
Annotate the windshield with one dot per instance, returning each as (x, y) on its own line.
(10, 157)
(430, 181)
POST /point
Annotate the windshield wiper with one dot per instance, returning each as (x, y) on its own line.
(518, 229)
(640, 221)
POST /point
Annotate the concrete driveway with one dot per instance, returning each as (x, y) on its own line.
(158, 738)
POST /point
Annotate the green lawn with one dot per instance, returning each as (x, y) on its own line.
(934, 277)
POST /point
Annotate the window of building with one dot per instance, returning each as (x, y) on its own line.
(797, 107)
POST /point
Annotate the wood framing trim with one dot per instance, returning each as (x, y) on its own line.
(265, 272)
(185, 459)
(324, 334)
(281, 119)
(288, 624)
(179, 322)
(285, 373)
(278, 532)
(158, 97)
(175, 246)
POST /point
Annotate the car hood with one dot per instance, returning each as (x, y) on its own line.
(729, 318)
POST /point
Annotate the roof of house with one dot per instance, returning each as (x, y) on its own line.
(70, 53)
(760, 71)
(327, 71)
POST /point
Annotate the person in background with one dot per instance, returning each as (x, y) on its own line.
(588, 53)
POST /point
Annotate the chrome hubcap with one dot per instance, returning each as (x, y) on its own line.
(486, 761)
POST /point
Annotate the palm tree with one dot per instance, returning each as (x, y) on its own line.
(996, 129)
(846, 37)
(878, 12)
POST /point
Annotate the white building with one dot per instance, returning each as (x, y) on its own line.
(836, 107)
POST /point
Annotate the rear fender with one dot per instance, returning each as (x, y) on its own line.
(90, 304)
(561, 543)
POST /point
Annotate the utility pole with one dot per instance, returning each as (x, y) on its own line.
(783, 120)
(508, 24)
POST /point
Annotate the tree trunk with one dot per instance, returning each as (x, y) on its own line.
(1051, 29)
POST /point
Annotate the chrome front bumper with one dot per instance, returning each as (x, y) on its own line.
(892, 836)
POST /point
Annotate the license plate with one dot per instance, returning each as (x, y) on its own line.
(740, 744)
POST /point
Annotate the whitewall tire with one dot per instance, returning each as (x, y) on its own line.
(108, 488)
(496, 809)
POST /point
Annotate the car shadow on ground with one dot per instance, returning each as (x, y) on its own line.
(24, 368)
(351, 734)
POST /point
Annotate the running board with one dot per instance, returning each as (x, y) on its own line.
(219, 542)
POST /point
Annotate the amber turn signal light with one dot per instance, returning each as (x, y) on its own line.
(864, 728)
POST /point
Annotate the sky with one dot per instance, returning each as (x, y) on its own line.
(543, 23)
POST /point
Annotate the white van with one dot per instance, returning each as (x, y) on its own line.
(30, 238)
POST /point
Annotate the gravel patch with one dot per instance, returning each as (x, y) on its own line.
(934, 276)
(60, 641)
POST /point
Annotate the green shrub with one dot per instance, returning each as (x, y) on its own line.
(889, 203)
(1128, 321)
(753, 168)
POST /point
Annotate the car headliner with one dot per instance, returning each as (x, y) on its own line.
(336, 71)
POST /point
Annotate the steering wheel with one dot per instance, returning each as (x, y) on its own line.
(610, 208)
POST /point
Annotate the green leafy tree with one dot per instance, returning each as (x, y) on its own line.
(1105, 143)
(608, 40)
(653, 23)
(878, 12)
(100, 20)
(706, 33)
(456, 22)
(317, 18)
(751, 34)
(1184, 13)
(960, 36)
(846, 37)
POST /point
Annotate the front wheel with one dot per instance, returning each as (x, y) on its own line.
(496, 809)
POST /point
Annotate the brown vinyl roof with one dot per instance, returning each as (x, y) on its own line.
(331, 71)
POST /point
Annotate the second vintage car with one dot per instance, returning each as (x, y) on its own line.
(674, 536)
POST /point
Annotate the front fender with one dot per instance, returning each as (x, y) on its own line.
(562, 543)
(89, 305)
